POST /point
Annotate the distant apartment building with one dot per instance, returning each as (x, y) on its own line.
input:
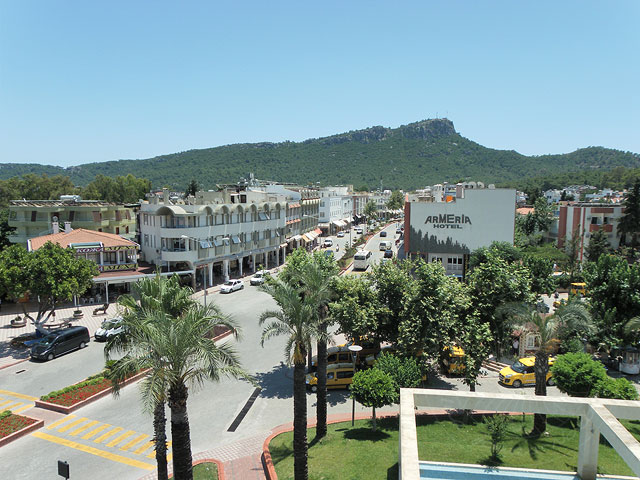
(336, 208)
(215, 235)
(359, 201)
(449, 229)
(582, 220)
(303, 212)
(33, 218)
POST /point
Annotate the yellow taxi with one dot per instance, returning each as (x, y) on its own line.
(454, 360)
(579, 289)
(522, 373)
(339, 375)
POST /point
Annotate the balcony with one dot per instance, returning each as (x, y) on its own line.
(179, 256)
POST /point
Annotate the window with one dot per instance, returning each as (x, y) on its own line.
(331, 358)
(594, 220)
(146, 240)
(34, 215)
(348, 374)
(530, 370)
(330, 376)
(72, 215)
(117, 230)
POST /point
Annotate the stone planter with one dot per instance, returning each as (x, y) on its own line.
(77, 314)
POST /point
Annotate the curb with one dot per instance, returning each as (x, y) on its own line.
(22, 432)
(66, 410)
(14, 363)
(267, 462)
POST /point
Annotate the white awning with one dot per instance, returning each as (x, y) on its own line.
(339, 223)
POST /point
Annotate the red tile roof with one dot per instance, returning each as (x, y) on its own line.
(81, 235)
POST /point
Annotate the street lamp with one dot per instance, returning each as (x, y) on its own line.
(354, 349)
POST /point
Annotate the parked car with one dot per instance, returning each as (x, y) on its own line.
(522, 373)
(388, 254)
(334, 355)
(259, 277)
(385, 245)
(327, 242)
(340, 234)
(359, 231)
(383, 233)
(108, 329)
(339, 375)
(398, 231)
(231, 286)
(59, 342)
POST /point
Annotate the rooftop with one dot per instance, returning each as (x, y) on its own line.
(82, 236)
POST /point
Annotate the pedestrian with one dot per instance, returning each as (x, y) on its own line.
(516, 346)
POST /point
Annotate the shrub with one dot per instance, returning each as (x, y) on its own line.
(373, 388)
(577, 374)
(404, 372)
(619, 388)
(497, 426)
(5, 414)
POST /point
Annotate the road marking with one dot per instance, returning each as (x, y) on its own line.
(144, 447)
(6, 403)
(110, 433)
(22, 409)
(117, 440)
(69, 426)
(94, 451)
(18, 395)
(60, 422)
(86, 426)
(95, 431)
(12, 406)
(135, 441)
(153, 452)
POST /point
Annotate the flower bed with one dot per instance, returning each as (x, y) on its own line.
(11, 423)
(77, 393)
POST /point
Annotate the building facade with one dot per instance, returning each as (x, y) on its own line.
(448, 231)
(216, 234)
(33, 218)
(582, 219)
(336, 208)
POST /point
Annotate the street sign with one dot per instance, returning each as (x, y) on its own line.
(63, 469)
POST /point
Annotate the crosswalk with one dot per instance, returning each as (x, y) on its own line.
(15, 402)
(103, 439)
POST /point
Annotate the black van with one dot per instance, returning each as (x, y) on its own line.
(59, 342)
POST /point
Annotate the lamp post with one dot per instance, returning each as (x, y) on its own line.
(354, 349)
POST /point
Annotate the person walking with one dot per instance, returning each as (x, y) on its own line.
(516, 346)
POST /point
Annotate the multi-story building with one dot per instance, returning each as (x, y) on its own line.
(448, 231)
(336, 208)
(359, 200)
(582, 219)
(214, 234)
(303, 208)
(33, 218)
(115, 256)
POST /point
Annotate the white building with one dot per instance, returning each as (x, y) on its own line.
(336, 208)
(215, 234)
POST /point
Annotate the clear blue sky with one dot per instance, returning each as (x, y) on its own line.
(90, 81)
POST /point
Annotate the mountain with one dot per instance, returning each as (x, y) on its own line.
(411, 156)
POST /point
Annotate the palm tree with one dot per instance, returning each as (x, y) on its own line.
(295, 320)
(572, 317)
(179, 355)
(157, 294)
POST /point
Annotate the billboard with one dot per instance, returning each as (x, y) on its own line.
(482, 217)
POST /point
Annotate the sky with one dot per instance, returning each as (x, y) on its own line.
(86, 81)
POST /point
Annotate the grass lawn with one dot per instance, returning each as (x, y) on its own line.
(205, 471)
(358, 453)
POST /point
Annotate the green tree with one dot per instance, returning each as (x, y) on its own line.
(613, 287)
(314, 275)
(192, 188)
(5, 229)
(541, 270)
(35, 187)
(370, 211)
(356, 307)
(476, 342)
(494, 284)
(180, 355)
(572, 249)
(405, 372)
(163, 296)
(619, 388)
(396, 200)
(577, 374)
(49, 275)
(573, 316)
(362, 188)
(119, 189)
(373, 388)
(503, 250)
(630, 222)
(294, 320)
(598, 245)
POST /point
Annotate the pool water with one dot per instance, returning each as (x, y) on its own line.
(448, 471)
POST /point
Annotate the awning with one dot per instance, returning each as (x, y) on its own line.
(306, 238)
(217, 243)
(339, 223)
(318, 231)
(323, 225)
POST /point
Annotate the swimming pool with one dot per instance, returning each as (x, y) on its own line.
(452, 471)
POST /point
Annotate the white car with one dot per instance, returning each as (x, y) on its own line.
(259, 277)
(340, 234)
(327, 243)
(359, 231)
(109, 328)
(231, 286)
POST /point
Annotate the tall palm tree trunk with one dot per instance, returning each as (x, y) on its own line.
(299, 422)
(160, 439)
(541, 367)
(180, 435)
(321, 411)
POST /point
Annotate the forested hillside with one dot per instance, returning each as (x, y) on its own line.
(407, 157)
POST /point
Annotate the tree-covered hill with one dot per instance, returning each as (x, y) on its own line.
(408, 157)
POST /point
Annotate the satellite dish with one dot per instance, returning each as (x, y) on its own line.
(54, 218)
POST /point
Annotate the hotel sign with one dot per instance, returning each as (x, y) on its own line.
(449, 220)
